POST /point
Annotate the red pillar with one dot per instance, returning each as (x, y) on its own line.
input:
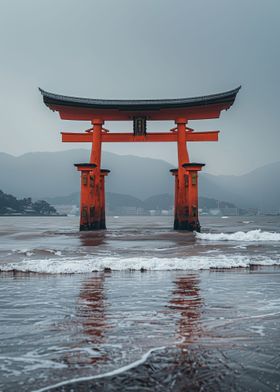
(103, 174)
(95, 156)
(181, 202)
(86, 196)
(192, 170)
(92, 184)
(92, 218)
(175, 174)
(186, 214)
(96, 190)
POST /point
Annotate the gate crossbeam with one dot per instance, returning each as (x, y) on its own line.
(76, 137)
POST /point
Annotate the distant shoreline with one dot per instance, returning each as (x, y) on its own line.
(31, 216)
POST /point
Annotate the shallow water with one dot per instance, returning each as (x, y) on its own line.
(155, 330)
(55, 245)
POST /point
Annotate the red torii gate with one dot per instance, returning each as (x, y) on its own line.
(97, 111)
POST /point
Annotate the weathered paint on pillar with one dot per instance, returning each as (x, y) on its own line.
(175, 174)
(97, 222)
(192, 170)
(86, 211)
(89, 220)
(190, 219)
(181, 207)
(103, 173)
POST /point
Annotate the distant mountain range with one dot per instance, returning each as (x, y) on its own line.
(47, 174)
(163, 201)
(50, 174)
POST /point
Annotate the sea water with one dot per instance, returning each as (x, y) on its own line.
(140, 305)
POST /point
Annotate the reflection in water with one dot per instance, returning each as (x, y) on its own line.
(75, 327)
(90, 239)
(187, 302)
(176, 365)
(91, 309)
(94, 319)
(91, 316)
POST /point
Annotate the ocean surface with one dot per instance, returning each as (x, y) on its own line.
(139, 307)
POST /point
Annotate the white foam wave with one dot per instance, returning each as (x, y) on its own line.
(26, 252)
(30, 252)
(86, 265)
(249, 236)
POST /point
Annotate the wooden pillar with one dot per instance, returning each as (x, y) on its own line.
(189, 221)
(86, 206)
(95, 156)
(89, 220)
(103, 174)
(183, 156)
(175, 174)
(92, 185)
(96, 222)
(181, 206)
(186, 189)
(192, 170)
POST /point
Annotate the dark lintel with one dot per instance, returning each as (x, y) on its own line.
(142, 104)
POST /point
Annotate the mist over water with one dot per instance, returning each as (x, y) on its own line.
(140, 305)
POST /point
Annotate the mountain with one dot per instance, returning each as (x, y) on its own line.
(157, 202)
(51, 174)
(112, 199)
(259, 188)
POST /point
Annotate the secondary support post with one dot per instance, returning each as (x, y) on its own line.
(186, 217)
(87, 195)
(92, 199)
(192, 170)
(102, 220)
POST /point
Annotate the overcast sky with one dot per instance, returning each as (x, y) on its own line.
(144, 49)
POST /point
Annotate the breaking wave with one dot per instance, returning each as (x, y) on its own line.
(32, 252)
(87, 264)
(249, 236)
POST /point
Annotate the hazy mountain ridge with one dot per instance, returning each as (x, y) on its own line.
(259, 188)
(163, 201)
(45, 174)
(49, 174)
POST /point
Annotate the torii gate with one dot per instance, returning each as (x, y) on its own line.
(97, 111)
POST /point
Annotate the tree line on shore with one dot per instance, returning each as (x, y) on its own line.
(10, 205)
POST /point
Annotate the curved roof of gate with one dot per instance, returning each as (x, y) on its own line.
(208, 106)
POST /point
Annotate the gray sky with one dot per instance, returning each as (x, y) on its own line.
(144, 49)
